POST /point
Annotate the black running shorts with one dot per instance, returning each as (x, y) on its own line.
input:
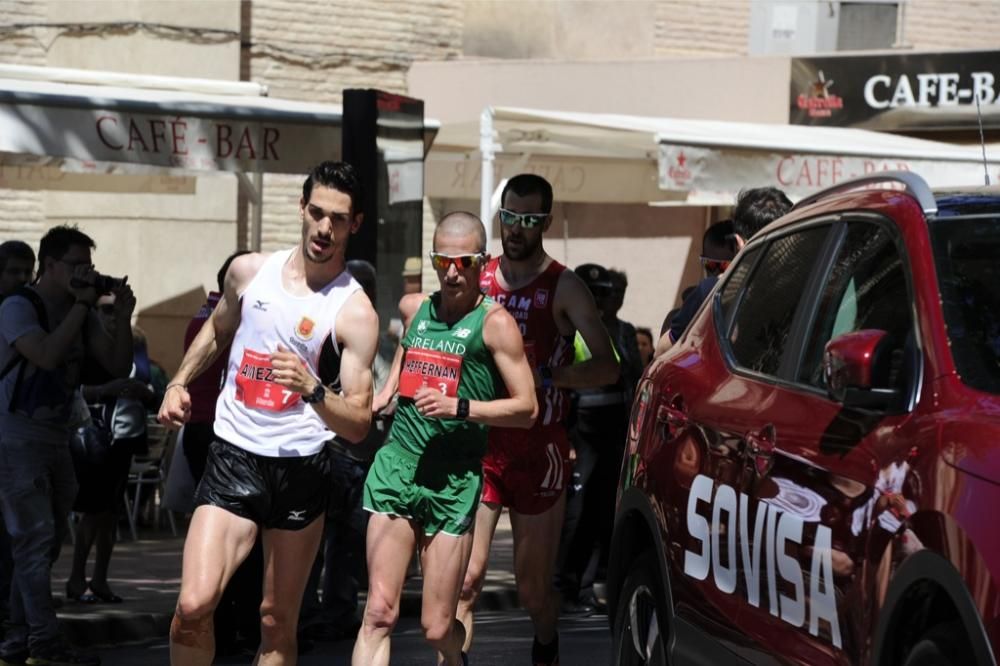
(276, 493)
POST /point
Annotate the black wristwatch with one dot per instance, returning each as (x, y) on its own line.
(462, 411)
(317, 395)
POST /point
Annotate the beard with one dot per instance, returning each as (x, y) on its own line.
(520, 249)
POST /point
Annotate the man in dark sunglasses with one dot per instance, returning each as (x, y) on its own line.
(527, 470)
(755, 209)
(424, 484)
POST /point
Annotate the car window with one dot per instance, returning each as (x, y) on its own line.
(866, 289)
(965, 252)
(734, 284)
(763, 316)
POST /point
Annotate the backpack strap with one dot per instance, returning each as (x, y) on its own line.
(19, 361)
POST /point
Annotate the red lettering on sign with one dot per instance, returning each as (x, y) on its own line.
(100, 132)
(157, 130)
(245, 142)
(135, 136)
(179, 136)
(270, 138)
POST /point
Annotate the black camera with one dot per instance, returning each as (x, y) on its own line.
(103, 284)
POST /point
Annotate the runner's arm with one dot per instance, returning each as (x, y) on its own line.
(503, 338)
(216, 334)
(576, 302)
(349, 414)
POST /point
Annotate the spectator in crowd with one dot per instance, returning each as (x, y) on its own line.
(17, 263)
(622, 333)
(45, 335)
(644, 338)
(597, 435)
(755, 209)
(342, 555)
(102, 458)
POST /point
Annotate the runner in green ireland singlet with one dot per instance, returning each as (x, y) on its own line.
(454, 360)
(460, 370)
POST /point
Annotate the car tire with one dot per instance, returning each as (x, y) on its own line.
(943, 645)
(641, 618)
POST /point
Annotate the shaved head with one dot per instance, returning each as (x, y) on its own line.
(461, 223)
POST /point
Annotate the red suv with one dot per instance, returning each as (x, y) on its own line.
(810, 472)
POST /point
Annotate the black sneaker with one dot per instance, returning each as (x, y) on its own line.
(60, 655)
(545, 655)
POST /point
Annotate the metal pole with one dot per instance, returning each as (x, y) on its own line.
(486, 184)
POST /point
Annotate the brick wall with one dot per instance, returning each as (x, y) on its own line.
(367, 44)
(702, 27)
(22, 215)
(949, 24)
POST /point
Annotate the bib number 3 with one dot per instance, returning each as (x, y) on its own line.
(424, 367)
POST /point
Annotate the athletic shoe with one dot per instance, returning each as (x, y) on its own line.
(545, 655)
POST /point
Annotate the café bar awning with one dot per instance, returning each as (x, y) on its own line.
(633, 159)
(192, 125)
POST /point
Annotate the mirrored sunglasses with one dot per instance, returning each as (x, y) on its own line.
(526, 220)
(441, 262)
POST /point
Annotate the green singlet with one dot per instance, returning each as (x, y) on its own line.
(430, 469)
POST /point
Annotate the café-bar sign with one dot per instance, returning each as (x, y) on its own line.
(912, 91)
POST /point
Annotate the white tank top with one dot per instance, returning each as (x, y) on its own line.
(254, 412)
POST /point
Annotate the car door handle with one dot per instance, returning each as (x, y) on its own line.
(760, 448)
(673, 415)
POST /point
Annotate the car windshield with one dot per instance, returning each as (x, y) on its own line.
(967, 255)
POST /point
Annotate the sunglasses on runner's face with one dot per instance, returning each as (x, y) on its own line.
(714, 266)
(441, 262)
(527, 220)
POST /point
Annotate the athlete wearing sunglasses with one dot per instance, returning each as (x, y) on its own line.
(527, 470)
(442, 262)
(460, 368)
(509, 218)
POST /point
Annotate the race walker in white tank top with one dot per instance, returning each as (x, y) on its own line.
(256, 413)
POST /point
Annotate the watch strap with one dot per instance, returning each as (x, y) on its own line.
(462, 410)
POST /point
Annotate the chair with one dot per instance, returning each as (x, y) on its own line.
(149, 471)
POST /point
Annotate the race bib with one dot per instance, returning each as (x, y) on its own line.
(255, 385)
(424, 367)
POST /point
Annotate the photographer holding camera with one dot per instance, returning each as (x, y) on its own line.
(46, 332)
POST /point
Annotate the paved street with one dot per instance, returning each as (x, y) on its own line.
(146, 573)
(503, 638)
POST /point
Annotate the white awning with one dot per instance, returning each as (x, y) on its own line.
(169, 122)
(618, 158)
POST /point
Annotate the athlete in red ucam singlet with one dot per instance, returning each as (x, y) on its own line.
(526, 470)
(303, 339)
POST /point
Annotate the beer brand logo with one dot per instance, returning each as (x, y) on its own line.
(541, 298)
(679, 173)
(820, 102)
(305, 328)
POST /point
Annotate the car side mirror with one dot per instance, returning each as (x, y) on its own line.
(856, 369)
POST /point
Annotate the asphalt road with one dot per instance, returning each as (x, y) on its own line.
(503, 638)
